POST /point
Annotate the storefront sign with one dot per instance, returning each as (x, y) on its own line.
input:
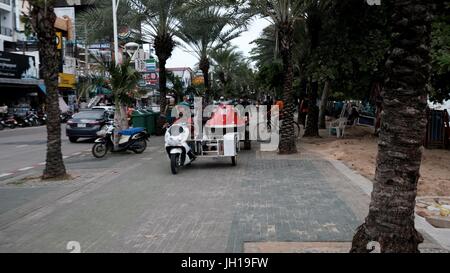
(198, 80)
(17, 66)
(59, 40)
(150, 78)
(70, 65)
(66, 80)
(150, 65)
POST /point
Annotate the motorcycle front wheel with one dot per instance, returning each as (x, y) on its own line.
(142, 146)
(174, 163)
(99, 150)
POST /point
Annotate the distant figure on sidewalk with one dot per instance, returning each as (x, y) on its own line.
(303, 112)
(3, 109)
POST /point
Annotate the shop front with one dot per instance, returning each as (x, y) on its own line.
(21, 90)
(67, 90)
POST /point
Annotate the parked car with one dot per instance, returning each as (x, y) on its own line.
(86, 124)
(106, 108)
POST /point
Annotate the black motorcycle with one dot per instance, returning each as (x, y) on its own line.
(133, 139)
(23, 121)
(42, 118)
(33, 119)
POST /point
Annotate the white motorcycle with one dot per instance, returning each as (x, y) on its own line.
(178, 150)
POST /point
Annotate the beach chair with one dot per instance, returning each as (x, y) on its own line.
(338, 126)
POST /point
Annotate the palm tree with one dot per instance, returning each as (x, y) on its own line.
(123, 81)
(225, 61)
(391, 215)
(204, 30)
(42, 19)
(284, 14)
(265, 52)
(95, 24)
(159, 18)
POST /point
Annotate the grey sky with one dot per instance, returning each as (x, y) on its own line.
(181, 59)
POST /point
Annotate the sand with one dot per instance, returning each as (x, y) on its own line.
(358, 150)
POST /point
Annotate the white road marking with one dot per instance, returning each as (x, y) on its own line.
(41, 164)
(22, 146)
(79, 153)
(66, 156)
(5, 174)
(25, 169)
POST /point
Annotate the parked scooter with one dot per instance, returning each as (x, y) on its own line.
(178, 150)
(9, 122)
(23, 121)
(64, 117)
(42, 118)
(133, 139)
(32, 119)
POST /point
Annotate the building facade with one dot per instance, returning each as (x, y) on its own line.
(20, 82)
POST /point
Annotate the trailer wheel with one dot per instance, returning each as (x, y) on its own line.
(234, 160)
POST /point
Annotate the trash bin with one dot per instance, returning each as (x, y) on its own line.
(159, 123)
(151, 124)
(138, 119)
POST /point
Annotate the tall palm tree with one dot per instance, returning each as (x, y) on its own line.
(391, 215)
(205, 29)
(160, 21)
(283, 14)
(42, 19)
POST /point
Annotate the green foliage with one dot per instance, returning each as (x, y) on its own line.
(123, 80)
(340, 41)
(235, 77)
(350, 47)
(96, 24)
(177, 84)
(206, 29)
(270, 77)
(440, 53)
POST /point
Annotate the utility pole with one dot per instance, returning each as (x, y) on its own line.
(86, 51)
(86, 58)
(115, 5)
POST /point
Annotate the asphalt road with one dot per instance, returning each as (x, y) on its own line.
(23, 148)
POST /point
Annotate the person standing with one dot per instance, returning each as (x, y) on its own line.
(303, 111)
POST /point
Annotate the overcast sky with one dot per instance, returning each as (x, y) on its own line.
(181, 59)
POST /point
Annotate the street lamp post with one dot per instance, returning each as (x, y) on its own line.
(115, 5)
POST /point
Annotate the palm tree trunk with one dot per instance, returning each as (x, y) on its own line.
(391, 215)
(323, 105)
(43, 19)
(204, 67)
(312, 122)
(287, 143)
(164, 45)
(162, 83)
(120, 121)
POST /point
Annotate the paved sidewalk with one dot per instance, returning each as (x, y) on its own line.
(132, 203)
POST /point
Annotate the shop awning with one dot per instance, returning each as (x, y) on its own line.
(21, 82)
(103, 91)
